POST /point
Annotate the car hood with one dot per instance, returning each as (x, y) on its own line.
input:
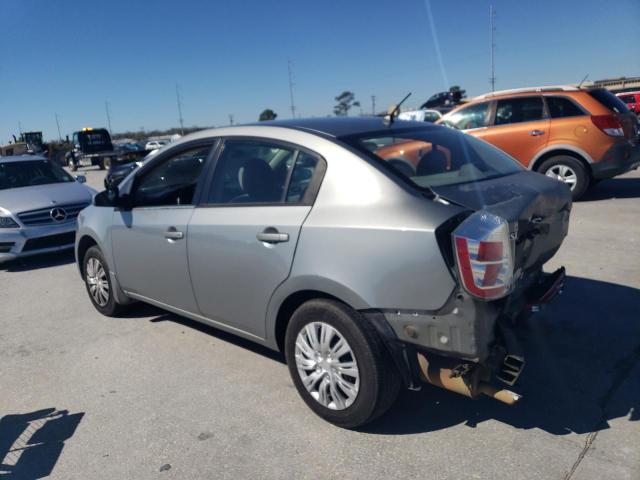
(536, 207)
(23, 199)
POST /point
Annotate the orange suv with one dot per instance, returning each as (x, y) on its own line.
(573, 134)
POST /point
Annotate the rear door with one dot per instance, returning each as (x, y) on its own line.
(243, 237)
(519, 126)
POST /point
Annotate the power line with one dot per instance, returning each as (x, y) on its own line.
(58, 124)
(179, 101)
(107, 109)
(293, 106)
(492, 16)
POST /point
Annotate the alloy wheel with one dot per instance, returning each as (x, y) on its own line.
(97, 281)
(327, 366)
(565, 174)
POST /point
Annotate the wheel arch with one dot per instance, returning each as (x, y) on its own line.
(579, 155)
(84, 244)
(292, 294)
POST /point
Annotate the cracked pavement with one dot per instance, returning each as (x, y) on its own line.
(157, 396)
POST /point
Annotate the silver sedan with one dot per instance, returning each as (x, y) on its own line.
(375, 254)
(39, 203)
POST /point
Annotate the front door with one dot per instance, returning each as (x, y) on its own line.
(149, 240)
(242, 241)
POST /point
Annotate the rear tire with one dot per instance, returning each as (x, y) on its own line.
(97, 279)
(569, 170)
(351, 377)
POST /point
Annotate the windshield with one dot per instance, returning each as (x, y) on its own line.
(436, 157)
(32, 172)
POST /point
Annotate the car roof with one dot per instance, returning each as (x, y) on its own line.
(21, 158)
(342, 126)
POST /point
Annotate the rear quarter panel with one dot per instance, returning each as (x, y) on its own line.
(370, 243)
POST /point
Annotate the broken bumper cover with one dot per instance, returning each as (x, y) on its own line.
(469, 335)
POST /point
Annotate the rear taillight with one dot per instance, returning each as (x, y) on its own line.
(609, 124)
(484, 255)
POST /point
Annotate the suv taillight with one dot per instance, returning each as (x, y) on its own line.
(484, 255)
(609, 124)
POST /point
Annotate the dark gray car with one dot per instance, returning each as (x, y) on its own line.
(375, 256)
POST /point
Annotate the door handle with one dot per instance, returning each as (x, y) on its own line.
(536, 133)
(271, 235)
(173, 234)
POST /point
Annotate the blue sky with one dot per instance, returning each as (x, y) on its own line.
(230, 57)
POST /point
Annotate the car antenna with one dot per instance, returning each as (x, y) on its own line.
(583, 80)
(394, 111)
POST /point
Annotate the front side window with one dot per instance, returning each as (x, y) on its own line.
(628, 99)
(473, 116)
(173, 181)
(431, 158)
(32, 172)
(519, 109)
(560, 107)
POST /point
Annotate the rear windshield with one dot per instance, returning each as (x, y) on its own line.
(436, 157)
(609, 100)
(29, 173)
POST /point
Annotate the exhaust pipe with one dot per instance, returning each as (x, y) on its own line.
(438, 373)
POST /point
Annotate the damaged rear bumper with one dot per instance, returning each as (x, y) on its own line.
(468, 345)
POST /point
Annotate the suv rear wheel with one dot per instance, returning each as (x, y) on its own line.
(98, 282)
(568, 170)
(339, 364)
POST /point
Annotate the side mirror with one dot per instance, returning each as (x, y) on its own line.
(113, 194)
(81, 179)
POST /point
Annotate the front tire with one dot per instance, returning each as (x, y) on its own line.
(569, 170)
(339, 364)
(98, 282)
(71, 164)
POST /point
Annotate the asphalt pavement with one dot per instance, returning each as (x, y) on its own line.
(154, 395)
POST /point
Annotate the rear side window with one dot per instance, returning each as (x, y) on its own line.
(251, 172)
(301, 177)
(609, 100)
(473, 116)
(519, 109)
(560, 107)
(256, 172)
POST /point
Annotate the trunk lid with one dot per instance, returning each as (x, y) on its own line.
(536, 207)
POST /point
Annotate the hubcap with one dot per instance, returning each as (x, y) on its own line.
(564, 174)
(327, 366)
(97, 281)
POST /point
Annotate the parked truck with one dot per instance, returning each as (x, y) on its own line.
(93, 146)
